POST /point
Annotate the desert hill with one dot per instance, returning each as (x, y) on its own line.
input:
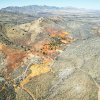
(49, 53)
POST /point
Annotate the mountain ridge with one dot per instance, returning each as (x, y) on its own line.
(36, 9)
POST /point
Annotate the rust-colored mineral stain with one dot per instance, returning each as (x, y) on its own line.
(14, 57)
(36, 70)
(55, 32)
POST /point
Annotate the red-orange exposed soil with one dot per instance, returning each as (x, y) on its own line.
(42, 48)
(13, 56)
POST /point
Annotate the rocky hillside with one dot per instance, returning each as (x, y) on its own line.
(50, 57)
(74, 75)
